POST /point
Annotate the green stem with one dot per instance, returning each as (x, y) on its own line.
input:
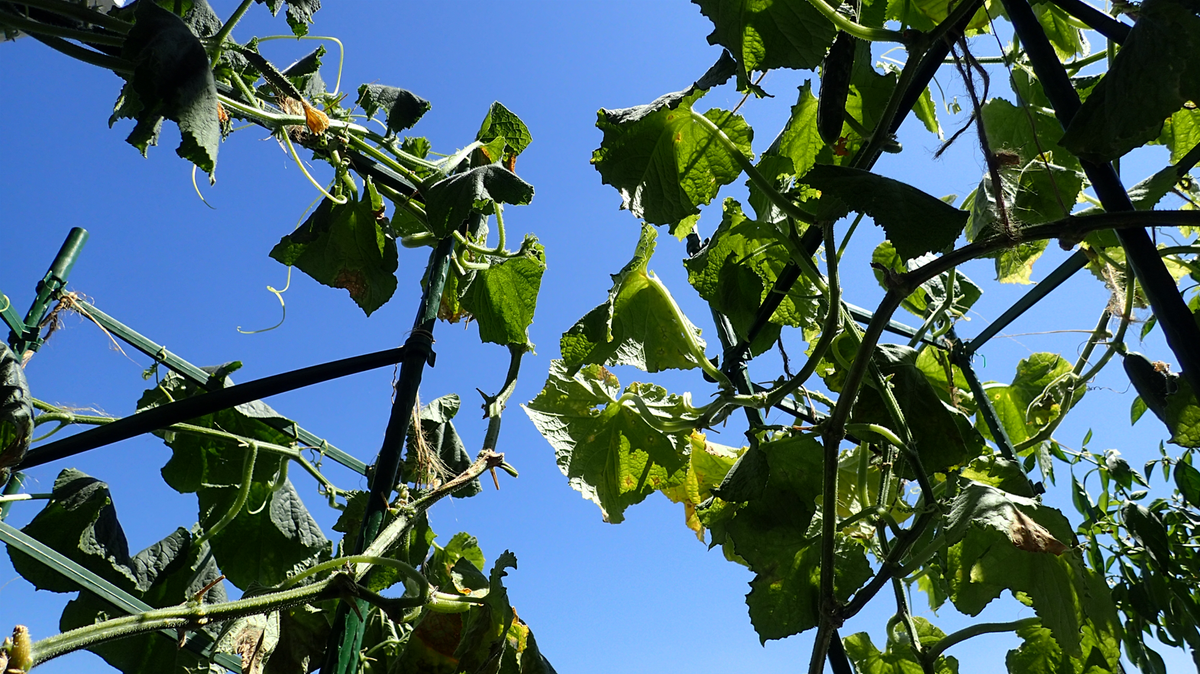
(391, 163)
(329, 565)
(758, 178)
(187, 616)
(239, 502)
(689, 335)
(936, 650)
(227, 28)
(856, 29)
(337, 86)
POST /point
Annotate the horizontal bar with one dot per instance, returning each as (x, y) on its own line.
(207, 403)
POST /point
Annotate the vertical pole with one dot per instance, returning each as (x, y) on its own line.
(345, 639)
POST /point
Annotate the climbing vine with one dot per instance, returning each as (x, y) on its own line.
(382, 595)
(895, 467)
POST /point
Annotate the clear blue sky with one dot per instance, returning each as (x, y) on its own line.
(643, 596)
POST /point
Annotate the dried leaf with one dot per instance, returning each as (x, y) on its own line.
(1030, 536)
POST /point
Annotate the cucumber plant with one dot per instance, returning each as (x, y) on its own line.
(895, 466)
(380, 596)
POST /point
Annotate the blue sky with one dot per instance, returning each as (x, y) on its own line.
(643, 596)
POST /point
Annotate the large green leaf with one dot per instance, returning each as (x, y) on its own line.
(778, 537)
(764, 35)
(170, 572)
(404, 108)
(272, 537)
(1041, 378)
(602, 442)
(898, 656)
(1183, 415)
(1181, 132)
(1001, 541)
(344, 246)
(708, 464)
(1154, 74)
(171, 79)
(1030, 133)
(16, 412)
(793, 152)
(502, 298)
(500, 122)
(639, 324)
(942, 435)
(664, 163)
(916, 223)
(736, 271)
(1040, 653)
(452, 200)
(299, 13)
(80, 522)
(200, 462)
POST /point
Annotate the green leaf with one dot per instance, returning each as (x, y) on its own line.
(452, 200)
(898, 657)
(926, 111)
(640, 324)
(80, 522)
(198, 461)
(303, 632)
(171, 79)
(404, 108)
(170, 572)
(1042, 378)
(708, 466)
(299, 13)
(459, 565)
(1041, 653)
(736, 271)
(1150, 532)
(1002, 541)
(1066, 39)
(925, 14)
(1187, 480)
(795, 150)
(997, 471)
(502, 298)
(778, 537)
(609, 452)
(16, 412)
(915, 222)
(1183, 415)
(1009, 129)
(942, 435)
(764, 35)
(1181, 132)
(344, 246)
(931, 294)
(664, 164)
(1153, 75)
(500, 122)
(271, 538)
(485, 628)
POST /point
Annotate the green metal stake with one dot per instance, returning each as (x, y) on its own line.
(56, 278)
(345, 639)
